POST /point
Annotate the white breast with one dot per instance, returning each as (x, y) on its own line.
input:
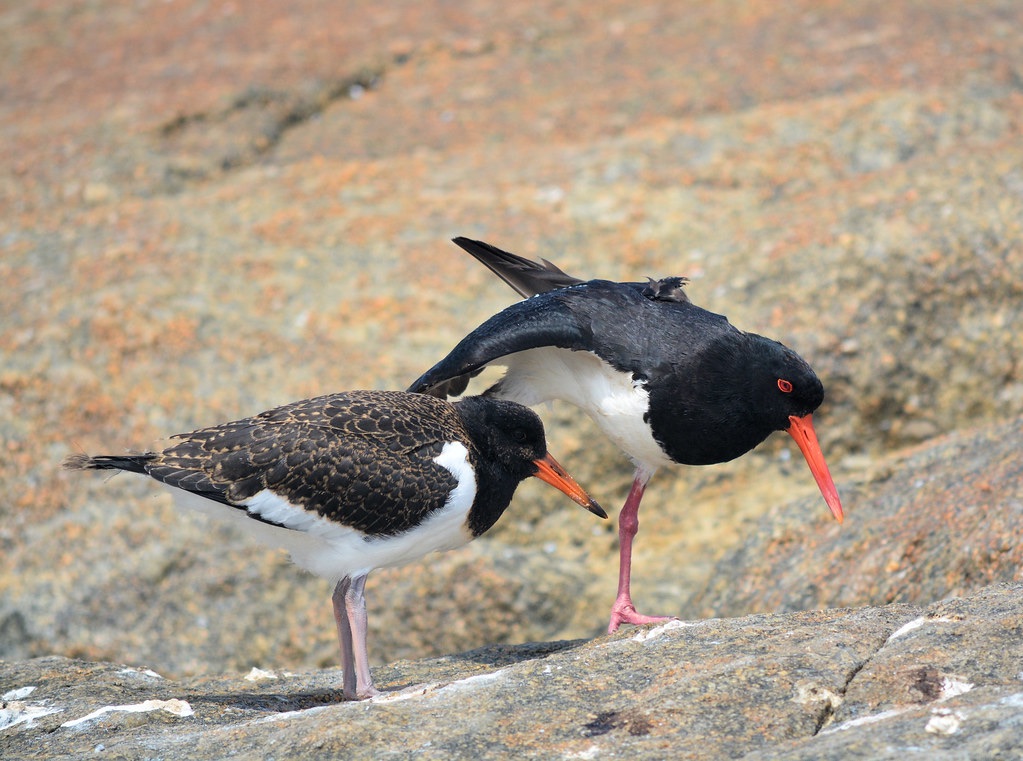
(611, 398)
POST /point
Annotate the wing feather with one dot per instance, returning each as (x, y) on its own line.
(341, 456)
(542, 320)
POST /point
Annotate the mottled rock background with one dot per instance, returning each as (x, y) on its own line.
(209, 208)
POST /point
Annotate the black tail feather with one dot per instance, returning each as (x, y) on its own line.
(525, 276)
(135, 463)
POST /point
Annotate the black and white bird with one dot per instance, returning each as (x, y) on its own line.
(360, 480)
(666, 381)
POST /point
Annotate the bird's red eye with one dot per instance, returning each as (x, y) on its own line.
(784, 386)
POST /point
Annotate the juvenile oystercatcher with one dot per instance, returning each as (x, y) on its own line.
(665, 380)
(360, 480)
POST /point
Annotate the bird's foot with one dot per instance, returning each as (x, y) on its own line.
(362, 693)
(624, 612)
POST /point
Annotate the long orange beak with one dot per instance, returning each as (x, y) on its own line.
(548, 470)
(801, 429)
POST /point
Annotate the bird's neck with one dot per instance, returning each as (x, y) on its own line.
(712, 416)
(494, 491)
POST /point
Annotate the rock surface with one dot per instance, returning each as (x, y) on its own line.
(209, 209)
(835, 684)
(934, 522)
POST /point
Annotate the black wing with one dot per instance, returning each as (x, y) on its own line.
(531, 324)
(615, 321)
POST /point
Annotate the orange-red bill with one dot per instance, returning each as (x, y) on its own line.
(801, 429)
(549, 471)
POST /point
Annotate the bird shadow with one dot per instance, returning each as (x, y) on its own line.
(499, 656)
(408, 675)
(261, 703)
(405, 677)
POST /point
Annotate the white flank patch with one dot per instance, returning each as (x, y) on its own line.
(454, 457)
(334, 551)
(174, 706)
(611, 398)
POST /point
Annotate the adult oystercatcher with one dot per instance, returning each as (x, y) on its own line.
(360, 480)
(666, 381)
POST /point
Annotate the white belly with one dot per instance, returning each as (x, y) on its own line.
(332, 550)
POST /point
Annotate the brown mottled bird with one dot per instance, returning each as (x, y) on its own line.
(354, 481)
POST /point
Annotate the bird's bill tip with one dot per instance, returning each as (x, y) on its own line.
(550, 471)
(801, 429)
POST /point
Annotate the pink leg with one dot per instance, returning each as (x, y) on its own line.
(355, 604)
(623, 611)
(350, 616)
(344, 638)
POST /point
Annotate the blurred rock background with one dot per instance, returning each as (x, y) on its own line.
(210, 208)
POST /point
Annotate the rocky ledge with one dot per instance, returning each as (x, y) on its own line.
(866, 682)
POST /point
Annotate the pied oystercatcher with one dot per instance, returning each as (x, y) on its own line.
(666, 381)
(360, 480)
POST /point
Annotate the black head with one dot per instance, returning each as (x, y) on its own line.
(783, 384)
(789, 393)
(510, 447)
(718, 403)
(733, 395)
(504, 433)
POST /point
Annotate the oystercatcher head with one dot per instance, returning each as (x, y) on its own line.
(666, 381)
(355, 481)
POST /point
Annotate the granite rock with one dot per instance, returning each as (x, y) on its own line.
(832, 684)
(932, 522)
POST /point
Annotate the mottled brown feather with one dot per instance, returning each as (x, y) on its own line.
(363, 459)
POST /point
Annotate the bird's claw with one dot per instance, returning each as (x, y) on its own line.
(624, 612)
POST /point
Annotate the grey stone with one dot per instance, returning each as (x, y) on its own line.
(866, 682)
